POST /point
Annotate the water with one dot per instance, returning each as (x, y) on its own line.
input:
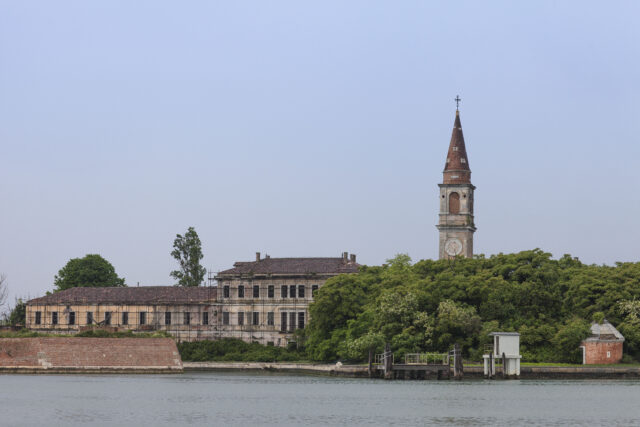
(229, 399)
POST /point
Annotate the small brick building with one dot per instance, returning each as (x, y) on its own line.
(604, 346)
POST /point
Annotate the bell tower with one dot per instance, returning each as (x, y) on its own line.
(456, 223)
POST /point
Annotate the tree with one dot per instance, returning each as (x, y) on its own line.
(18, 315)
(4, 289)
(90, 271)
(187, 250)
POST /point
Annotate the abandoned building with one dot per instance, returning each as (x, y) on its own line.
(263, 301)
(266, 300)
(604, 346)
(187, 313)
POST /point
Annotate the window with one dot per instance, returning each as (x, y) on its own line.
(256, 291)
(241, 318)
(143, 317)
(455, 148)
(241, 291)
(205, 318)
(300, 291)
(225, 318)
(270, 343)
(283, 321)
(292, 291)
(314, 288)
(292, 320)
(187, 318)
(270, 291)
(270, 320)
(463, 160)
(54, 318)
(167, 318)
(125, 317)
(283, 291)
(454, 203)
(107, 317)
(89, 317)
(256, 318)
(72, 317)
(300, 319)
(38, 317)
(225, 291)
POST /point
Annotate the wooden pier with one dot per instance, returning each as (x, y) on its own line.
(417, 366)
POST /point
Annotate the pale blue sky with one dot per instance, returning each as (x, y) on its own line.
(308, 129)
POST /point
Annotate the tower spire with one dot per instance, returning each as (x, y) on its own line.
(456, 168)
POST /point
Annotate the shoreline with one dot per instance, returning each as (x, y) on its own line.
(361, 371)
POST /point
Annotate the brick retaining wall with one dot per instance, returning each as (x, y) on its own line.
(89, 355)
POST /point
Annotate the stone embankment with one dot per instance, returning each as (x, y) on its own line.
(470, 372)
(307, 368)
(89, 355)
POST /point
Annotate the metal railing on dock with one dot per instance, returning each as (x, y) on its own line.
(426, 359)
(381, 358)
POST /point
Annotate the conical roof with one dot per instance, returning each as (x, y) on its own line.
(456, 168)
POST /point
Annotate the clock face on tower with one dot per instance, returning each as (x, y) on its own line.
(453, 247)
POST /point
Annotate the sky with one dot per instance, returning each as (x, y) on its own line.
(311, 128)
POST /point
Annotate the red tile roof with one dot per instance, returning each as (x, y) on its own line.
(293, 266)
(133, 295)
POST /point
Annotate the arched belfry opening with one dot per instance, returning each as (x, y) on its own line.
(454, 203)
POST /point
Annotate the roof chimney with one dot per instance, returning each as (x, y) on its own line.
(267, 256)
(257, 256)
(345, 256)
(353, 258)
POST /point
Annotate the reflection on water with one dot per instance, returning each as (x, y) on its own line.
(272, 399)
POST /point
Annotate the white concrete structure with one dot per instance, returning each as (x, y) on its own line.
(507, 344)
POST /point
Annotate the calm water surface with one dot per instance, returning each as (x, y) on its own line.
(287, 400)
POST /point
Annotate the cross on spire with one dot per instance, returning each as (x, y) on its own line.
(457, 101)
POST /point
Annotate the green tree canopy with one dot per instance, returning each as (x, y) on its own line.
(187, 250)
(430, 305)
(90, 271)
(19, 313)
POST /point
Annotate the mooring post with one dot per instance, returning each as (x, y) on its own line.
(504, 365)
(370, 363)
(458, 367)
(388, 362)
(455, 361)
(491, 366)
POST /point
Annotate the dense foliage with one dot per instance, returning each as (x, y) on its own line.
(229, 349)
(90, 271)
(431, 305)
(103, 333)
(91, 333)
(187, 250)
(18, 314)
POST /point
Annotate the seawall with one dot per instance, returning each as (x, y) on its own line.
(470, 372)
(89, 355)
(306, 368)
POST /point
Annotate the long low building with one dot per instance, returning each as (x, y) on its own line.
(187, 313)
(263, 301)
